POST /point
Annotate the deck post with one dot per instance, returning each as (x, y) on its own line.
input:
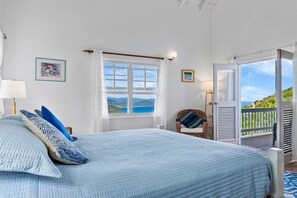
(276, 158)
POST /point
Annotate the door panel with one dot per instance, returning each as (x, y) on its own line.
(226, 103)
(226, 123)
(283, 102)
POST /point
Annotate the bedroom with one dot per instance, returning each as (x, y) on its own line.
(61, 30)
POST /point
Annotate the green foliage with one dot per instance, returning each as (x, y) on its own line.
(269, 101)
(122, 102)
(114, 109)
(287, 94)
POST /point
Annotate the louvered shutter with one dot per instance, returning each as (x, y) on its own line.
(226, 103)
(287, 120)
(226, 123)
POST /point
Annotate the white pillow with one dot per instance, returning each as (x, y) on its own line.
(22, 151)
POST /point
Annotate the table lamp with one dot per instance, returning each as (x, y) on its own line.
(13, 89)
(207, 86)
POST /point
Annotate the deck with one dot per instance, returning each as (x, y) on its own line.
(257, 126)
(263, 142)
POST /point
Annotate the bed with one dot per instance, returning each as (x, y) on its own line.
(146, 163)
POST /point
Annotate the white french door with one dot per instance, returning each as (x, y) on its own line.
(284, 68)
(226, 103)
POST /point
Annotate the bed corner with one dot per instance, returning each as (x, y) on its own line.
(276, 158)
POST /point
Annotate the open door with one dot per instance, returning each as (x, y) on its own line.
(226, 103)
(284, 107)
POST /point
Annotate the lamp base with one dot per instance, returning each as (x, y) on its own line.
(209, 101)
(13, 106)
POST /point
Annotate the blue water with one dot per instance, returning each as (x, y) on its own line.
(152, 109)
(140, 109)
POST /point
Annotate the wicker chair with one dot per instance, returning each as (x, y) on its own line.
(200, 131)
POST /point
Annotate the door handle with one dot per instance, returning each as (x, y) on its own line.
(215, 103)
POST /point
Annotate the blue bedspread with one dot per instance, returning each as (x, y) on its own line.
(149, 163)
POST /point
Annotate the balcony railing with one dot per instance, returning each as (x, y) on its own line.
(258, 121)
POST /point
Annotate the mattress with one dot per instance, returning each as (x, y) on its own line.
(149, 163)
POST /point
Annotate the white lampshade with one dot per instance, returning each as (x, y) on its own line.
(13, 89)
(172, 55)
(207, 85)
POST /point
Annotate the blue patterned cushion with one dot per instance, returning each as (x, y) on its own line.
(21, 151)
(51, 118)
(191, 120)
(58, 146)
(38, 112)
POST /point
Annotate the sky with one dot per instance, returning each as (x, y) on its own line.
(258, 79)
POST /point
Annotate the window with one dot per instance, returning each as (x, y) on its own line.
(131, 87)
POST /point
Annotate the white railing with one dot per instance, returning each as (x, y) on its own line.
(257, 121)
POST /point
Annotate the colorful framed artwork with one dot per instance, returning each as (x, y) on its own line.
(188, 75)
(47, 69)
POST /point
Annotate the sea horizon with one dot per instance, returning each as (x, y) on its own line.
(140, 109)
(151, 109)
(244, 103)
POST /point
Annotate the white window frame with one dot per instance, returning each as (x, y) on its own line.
(130, 81)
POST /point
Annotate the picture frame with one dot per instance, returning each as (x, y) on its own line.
(47, 69)
(188, 75)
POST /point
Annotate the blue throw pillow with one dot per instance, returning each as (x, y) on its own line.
(58, 146)
(38, 112)
(51, 118)
(22, 151)
(191, 120)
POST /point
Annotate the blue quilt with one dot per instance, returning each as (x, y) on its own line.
(149, 163)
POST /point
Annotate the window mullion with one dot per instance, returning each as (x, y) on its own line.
(158, 79)
(130, 87)
(114, 79)
(144, 80)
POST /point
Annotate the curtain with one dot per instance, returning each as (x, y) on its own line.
(1, 60)
(294, 127)
(160, 116)
(101, 122)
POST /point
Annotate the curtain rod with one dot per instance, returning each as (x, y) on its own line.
(131, 55)
(258, 52)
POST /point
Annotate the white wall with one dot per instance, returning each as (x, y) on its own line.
(1, 13)
(241, 27)
(61, 29)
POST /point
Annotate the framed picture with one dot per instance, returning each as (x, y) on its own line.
(187, 75)
(50, 69)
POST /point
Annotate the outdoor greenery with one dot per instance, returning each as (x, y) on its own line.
(257, 118)
(122, 102)
(269, 101)
(139, 105)
(114, 109)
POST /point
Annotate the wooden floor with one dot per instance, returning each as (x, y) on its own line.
(260, 142)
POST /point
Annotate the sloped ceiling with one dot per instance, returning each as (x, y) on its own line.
(200, 4)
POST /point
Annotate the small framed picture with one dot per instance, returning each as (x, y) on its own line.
(47, 69)
(187, 75)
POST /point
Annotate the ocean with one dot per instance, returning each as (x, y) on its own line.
(244, 103)
(140, 109)
(152, 109)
